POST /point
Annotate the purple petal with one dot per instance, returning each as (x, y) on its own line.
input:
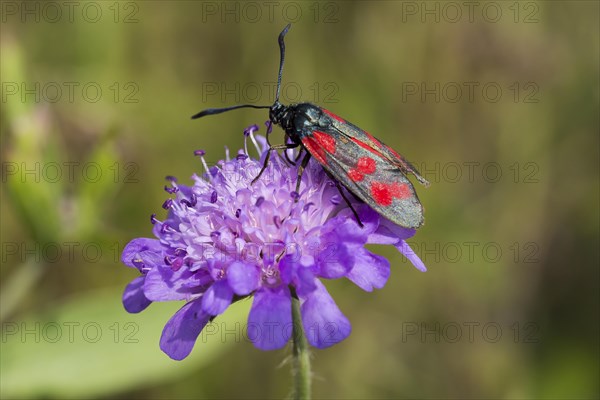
(324, 323)
(390, 233)
(164, 284)
(134, 300)
(306, 281)
(287, 268)
(243, 278)
(293, 270)
(185, 192)
(369, 271)
(334, 260)
(143, 251)
(180, 333)
(270, 319)
(368, 217)
(405, 249)
(345, 226)
(217, 298)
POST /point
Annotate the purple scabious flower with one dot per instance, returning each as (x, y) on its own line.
(225, 239)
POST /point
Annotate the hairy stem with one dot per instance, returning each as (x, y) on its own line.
(300, 356)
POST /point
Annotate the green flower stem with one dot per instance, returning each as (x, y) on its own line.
(301, 356)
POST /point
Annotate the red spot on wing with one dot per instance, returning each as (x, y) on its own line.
(384, 193)
(332, 115)
(400, 190)
(365, 165)
(356, 175)
(381, 193)
(325, 140)
(314, 149)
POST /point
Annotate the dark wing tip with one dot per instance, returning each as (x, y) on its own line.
(422, 180)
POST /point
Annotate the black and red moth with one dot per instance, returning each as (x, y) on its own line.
(370, 170)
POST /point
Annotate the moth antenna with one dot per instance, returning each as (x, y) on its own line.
(281, 58)
(213, 111)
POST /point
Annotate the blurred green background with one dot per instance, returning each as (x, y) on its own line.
(496, 102)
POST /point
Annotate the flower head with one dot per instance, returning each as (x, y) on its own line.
(225, 239)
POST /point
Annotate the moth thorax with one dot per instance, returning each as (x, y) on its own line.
(280, 115)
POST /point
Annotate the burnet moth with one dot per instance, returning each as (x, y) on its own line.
(370, 170)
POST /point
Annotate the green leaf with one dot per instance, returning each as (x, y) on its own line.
(90, 346)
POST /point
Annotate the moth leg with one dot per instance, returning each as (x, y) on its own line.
(339, 187)
(301, 171)
(337, 184)
(268, 157)
(299, 154)
(287, 157)
(267, 138)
